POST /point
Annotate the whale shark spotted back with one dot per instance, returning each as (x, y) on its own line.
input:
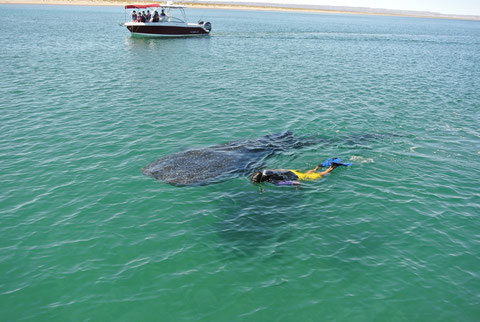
(212, 164)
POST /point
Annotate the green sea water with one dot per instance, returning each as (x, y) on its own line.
(84, 106)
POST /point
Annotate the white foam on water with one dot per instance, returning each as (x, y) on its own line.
(361, 159)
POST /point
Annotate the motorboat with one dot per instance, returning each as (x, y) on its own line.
(167, 20)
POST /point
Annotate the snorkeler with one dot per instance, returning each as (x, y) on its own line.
(290, 177)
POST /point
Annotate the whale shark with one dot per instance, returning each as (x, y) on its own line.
(215, 163)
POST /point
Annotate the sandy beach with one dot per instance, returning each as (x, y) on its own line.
(118, 3)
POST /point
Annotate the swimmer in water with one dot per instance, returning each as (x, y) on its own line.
(289, 177)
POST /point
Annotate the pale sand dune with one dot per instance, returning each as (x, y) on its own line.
(189, 5)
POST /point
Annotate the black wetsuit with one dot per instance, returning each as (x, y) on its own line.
(277, 176)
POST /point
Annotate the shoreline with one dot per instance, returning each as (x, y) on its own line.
(196, 5)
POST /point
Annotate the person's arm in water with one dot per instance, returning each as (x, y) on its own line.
(333, 166)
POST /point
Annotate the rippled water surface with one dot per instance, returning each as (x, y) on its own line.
(85, 236)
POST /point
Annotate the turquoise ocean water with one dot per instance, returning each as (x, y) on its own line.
(85, 236)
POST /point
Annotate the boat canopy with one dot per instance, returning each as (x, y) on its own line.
(153, 5)
(141, 6)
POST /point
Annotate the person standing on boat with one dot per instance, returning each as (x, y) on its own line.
(156, 17)
(162, 15)
(149, 16)
(134, 16)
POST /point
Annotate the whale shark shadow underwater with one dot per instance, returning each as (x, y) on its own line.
(216, 163)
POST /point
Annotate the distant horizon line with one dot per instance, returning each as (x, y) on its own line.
(361, 10)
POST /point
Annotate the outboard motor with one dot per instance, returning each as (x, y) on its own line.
(208, 26)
